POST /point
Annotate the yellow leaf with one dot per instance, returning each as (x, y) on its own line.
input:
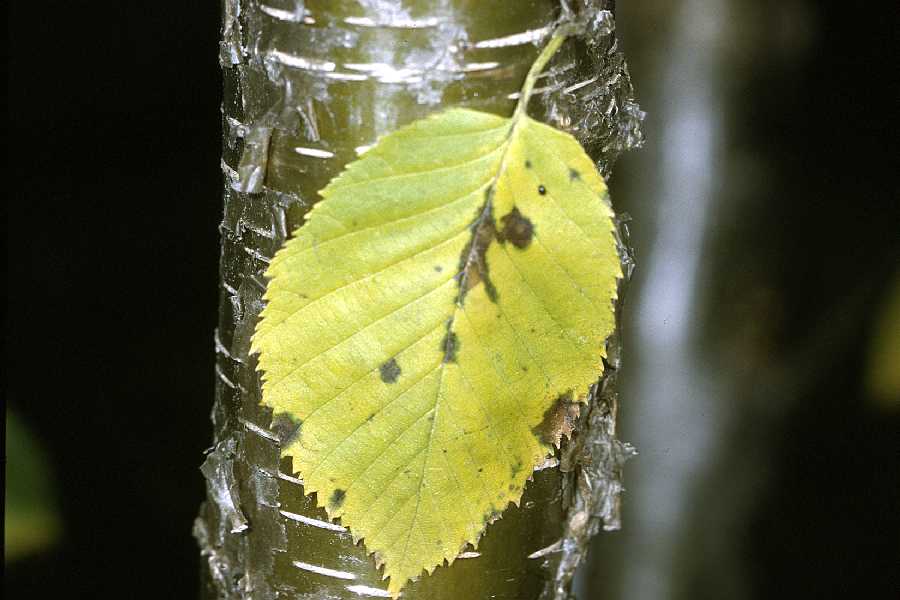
(433, 325)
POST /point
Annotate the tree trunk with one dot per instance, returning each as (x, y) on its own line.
(306, 90)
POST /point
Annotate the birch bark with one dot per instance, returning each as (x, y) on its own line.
(306, 89)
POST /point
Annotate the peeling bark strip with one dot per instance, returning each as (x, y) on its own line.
(294, 113)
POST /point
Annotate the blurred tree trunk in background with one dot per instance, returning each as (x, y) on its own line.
(756, 287)
(307, 89)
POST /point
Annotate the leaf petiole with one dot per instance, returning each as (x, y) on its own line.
(559, 36)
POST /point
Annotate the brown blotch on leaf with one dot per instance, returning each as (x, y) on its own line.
(517, 229)
(527, 164)
(337, 499)
(287, 428)
(473, 267)
(450, 344)
(389, 371)
(574, 175)
(559, 420)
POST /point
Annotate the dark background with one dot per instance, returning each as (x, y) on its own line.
(112, 247)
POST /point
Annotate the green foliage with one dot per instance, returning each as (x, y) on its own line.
(31, 522)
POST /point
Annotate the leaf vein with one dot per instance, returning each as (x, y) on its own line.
(318, 243)
(340, 187)
(270, 384)
(400, 394)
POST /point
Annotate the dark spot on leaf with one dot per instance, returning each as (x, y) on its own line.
(524, 368)
(370, 417)
(516, 468)
(438, 268)
(473, 267)
(517, 229)
(542, 190)
(337, 499)
(389, 371)
(450, 344)
(480, 469)
(444, 450)
(287, 428)
(527, 164)
(559, 419)
(573, 175)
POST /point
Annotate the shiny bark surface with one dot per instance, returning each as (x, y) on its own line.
(307, 88)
